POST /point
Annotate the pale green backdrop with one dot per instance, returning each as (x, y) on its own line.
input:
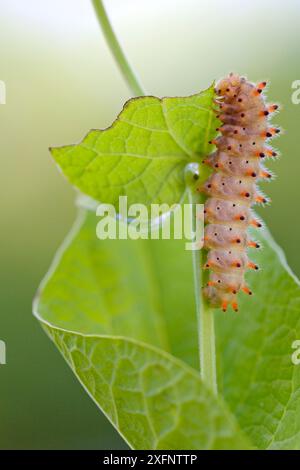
(61, 81)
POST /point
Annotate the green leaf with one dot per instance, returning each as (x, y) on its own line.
(115, 340)
(138, 296)
(144, 153)
(258, 378)
(256, 375)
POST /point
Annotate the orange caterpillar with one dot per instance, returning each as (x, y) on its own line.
(232, 189)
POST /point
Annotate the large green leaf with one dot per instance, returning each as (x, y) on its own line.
(103, 305)
(144, 153)
(135, 298)
(257, 376)
(92, 291)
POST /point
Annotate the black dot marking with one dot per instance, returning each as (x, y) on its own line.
(274, 154)
(223, 184)
(242, 217)
(229, 147)
(268, 134)
(247, 161)
(253, 143)
(262, 155)
(218, 208)
(227, 89)
(240, 182)
(209, 185)
(216, 234)
(242, 115)
(240, 100)
(241, 146)
(219, 281)
(230, 229)
(244, 128)
(247, 195)
(218, 259)
(233, 205)
(266, 113)
(230, 163)
(277, 131)
(195, 176)
(253, 174)
(259, 90)
(238, 240)
(238, 265)
(235, 132)
(216, 165)
(229, 252)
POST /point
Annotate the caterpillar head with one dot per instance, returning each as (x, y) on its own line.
(229, 86)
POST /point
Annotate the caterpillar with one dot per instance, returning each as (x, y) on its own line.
(231, 188)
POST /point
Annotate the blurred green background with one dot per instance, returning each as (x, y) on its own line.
(61, 81)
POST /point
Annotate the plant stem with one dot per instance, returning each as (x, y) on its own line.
(207, 346)
(205, 314)
(116, 49)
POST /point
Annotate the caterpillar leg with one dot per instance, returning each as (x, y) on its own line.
(224, 305)
(246, 290)
(252, 244)
(252, 266)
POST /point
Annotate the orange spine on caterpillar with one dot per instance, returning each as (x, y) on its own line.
(231, 189)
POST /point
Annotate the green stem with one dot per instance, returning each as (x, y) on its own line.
(207, 346)
(116, 49)
(205, 314)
